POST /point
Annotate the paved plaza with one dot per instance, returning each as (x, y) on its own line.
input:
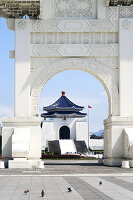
(57, 176)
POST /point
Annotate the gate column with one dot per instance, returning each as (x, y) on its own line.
(21, 134)
(118, 133)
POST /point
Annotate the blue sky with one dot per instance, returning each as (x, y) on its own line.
(81, 87)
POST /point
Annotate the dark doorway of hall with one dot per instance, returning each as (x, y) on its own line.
(64, 133)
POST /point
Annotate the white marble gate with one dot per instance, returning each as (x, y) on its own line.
(90, 35)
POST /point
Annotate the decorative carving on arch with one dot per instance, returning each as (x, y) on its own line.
(75, 8)
(86, 65)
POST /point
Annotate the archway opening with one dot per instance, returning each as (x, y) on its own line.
(83, 89)
(64, 133)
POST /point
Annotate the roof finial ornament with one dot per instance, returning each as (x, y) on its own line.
(63, 93)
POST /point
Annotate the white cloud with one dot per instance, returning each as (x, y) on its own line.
(103, 94)
(5, 112)
(46, 101)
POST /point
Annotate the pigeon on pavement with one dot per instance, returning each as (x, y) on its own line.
(42, 193)
(100, 183)
(70, 189)
(26, 191)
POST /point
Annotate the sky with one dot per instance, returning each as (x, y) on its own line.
(81, 87)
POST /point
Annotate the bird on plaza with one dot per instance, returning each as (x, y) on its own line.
(26, 191)
(42, 193)
(100, 183)
(70, 189)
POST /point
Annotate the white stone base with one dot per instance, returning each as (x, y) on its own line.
(131, 163)
(24, 163)
(100, 161)
(2, 164)
(40, 164)
(37, 164)
(20, 163)
(125, 164)
(113, 161)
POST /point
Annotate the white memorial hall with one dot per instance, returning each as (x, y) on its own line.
(95, 36)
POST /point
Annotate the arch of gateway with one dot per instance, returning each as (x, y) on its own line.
(95, 36)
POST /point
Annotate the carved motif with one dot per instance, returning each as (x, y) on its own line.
(126, 12)
(74, 50)
(22, 24)
(81, 64)
(92, 25)
(75, 8)
(126, 24)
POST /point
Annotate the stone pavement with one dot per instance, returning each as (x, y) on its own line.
(55, 188)
(117, 183)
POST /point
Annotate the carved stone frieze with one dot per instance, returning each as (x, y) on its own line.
(96, 50)
(92, 25)
(73, 38)
(119, 2)
(75, 8)
(19, 8)
(107, 2)
(76, 63)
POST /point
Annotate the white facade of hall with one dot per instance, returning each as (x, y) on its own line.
(51, 130)
(95, 36)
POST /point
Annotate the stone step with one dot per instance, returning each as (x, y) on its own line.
(54, 146)
(81, 146)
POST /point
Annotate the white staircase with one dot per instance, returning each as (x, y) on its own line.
(67, 146)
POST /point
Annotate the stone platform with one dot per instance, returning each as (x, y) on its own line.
(68, 167)
(58, 175)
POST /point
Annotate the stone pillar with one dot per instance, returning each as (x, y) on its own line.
(126, 67)
(114, 146)
(22, 68)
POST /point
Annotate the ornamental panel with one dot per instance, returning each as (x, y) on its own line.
(126, 12)
(102, 50)
(92, 25)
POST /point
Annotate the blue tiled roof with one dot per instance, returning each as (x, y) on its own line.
(63, 103)
(61, 113)
(63, 107)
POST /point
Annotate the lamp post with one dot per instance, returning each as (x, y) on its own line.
(88, 125)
